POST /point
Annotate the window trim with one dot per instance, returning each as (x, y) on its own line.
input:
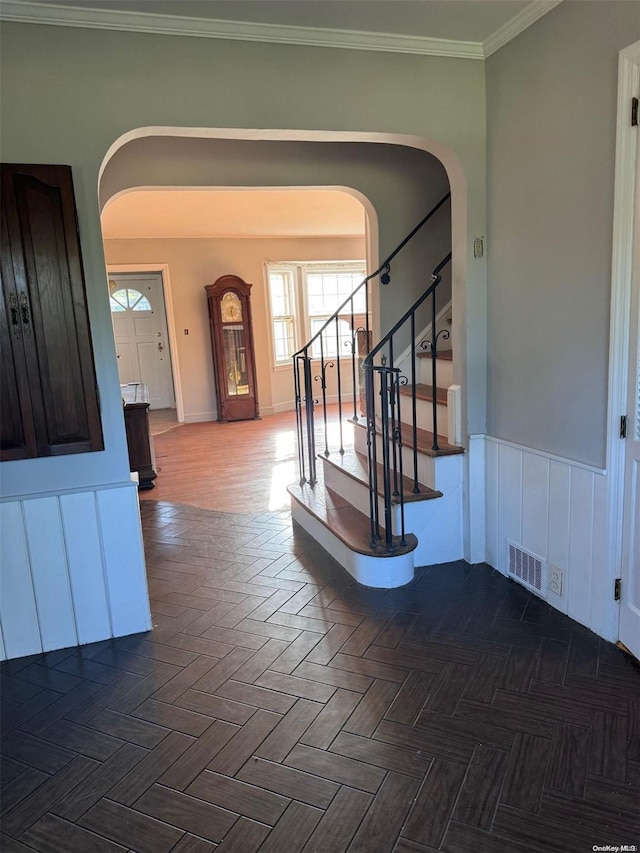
(299, 300)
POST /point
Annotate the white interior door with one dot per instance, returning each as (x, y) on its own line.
(140, 329)
(630, 594)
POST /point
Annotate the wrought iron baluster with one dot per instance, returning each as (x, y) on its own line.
(392, 399)
(309, 407)
(354, 347)
(386, 474)
(434, 370)
(322, 379)
(398, 439)
(299, 423)
(372, 455)
(414, 405)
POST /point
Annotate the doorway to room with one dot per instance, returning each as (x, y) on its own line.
(139, 318)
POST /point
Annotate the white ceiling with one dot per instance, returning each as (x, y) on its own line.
(233, 213)
(468, 28)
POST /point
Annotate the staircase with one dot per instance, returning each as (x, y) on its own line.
(392, 499)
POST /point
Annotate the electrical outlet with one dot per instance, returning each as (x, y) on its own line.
(555, 579)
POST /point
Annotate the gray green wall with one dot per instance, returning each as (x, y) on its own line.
(68, 94)
(551, 117)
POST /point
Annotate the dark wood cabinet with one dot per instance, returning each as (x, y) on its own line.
(234, 360)
(135, 399)
(49, 395)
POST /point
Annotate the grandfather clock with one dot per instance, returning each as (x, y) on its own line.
(234, 360)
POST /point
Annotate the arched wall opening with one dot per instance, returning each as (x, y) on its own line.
(397, 178)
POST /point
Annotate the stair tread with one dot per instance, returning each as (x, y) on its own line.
(444, 354)
(346, 522)
(425, 392)
(424, 441)
(355, 465)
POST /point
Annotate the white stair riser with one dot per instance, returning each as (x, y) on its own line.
(357, 493)
(433, 471)
(379, 572)
(426, 467)
(444, 375)
(437, 523)
(424, 414)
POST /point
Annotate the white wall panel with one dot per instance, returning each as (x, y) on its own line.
(601, 581)
(17, 600)
(558, 510)
(476, 547)
(581, 526)
(124, 560)
(491, 502)
(50, 574)
(559, 527)
(73, 570)
(535, 503)
(509, 501)
(86, 572)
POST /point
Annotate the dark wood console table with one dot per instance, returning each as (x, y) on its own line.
(135, 400)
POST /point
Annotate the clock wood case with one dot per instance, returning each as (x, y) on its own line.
(229, 302)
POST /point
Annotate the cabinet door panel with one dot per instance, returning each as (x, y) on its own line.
(41, 218)
(17, 435)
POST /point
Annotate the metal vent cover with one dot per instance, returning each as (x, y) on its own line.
(527, 568)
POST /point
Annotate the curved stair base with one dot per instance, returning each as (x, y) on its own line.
(344, 533)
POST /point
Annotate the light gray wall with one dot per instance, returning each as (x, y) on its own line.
(551, 114)
(67, 94)
(401, 183)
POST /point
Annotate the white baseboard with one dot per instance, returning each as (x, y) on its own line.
(199, 417)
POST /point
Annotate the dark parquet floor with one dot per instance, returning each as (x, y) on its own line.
(277, 706)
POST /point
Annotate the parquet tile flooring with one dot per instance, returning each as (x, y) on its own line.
(276, 706)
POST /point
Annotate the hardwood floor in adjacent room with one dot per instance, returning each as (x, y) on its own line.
(278, 706)
(236, 466)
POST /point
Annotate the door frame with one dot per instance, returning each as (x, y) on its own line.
(163, 271)
(627, 142)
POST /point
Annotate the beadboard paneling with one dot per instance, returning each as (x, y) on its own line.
(72, 570)
(49, 572)
(123, 551)
(86, 570)
(18, 613)
(557, 510)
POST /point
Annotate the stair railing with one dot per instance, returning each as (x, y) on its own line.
(383, 381)
(325, 347)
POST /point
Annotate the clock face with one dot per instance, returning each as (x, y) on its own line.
(231, 307)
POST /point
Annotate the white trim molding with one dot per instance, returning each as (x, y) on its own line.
(28, 11)
(627, 143)
(529, 15)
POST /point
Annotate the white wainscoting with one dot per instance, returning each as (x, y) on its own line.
(556, 509)
(73, 570)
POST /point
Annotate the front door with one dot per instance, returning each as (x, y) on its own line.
(140, 330)
(630, 597)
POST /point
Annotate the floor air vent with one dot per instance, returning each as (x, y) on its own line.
(527, 568)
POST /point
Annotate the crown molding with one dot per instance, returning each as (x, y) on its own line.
(25, 11)
(33, 12)
(529, 15)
